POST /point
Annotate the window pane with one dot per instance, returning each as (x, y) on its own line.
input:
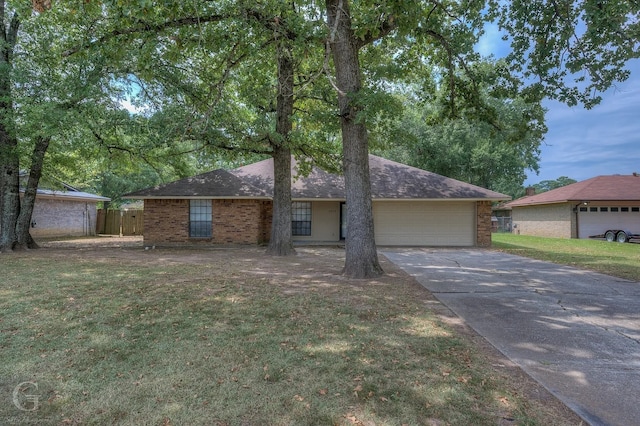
(301, 218)
(200, 218)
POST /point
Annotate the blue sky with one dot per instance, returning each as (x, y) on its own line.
(582, 143)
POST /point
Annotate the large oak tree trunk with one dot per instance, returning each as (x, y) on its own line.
(361, 254)
(280, 243)
(23, 236)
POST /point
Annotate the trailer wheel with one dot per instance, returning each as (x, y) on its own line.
(610, 236)
(622, 237)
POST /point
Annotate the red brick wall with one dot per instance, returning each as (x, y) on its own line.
(265, 221)
(166, 222)
(483, 223)
(237, 221)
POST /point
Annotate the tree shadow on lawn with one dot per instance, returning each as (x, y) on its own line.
(238, 337)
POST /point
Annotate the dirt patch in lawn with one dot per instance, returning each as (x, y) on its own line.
(314, 270)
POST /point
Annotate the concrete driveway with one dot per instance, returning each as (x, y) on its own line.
(575, 332)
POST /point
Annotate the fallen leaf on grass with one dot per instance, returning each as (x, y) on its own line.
(323, 391)
(298, 398)
(463, 379)
(353, 419)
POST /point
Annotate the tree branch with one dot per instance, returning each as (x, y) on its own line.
(145, 27)
(385, 28)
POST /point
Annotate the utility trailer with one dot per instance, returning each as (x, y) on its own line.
(618, 235)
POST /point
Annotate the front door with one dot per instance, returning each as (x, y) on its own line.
(343, 221)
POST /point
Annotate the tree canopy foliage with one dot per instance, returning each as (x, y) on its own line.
(548, 185)
(489, 144)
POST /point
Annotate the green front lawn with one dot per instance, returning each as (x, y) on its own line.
(620, 260)
(233, 337)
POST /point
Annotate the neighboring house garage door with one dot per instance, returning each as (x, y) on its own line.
(597, 220)
(424, 223)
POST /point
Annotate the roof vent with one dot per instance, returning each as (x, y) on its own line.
(635, 174)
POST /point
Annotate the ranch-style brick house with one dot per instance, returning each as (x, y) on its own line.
(411, 207)
(580, 210)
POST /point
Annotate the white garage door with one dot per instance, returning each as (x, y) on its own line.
(597, 220)
(424, 223)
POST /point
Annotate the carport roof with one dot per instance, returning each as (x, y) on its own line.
(600, 188)
(389, 180)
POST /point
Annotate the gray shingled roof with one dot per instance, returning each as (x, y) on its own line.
(389, 180)
(599, 188)
(395, 180)
(216, 184)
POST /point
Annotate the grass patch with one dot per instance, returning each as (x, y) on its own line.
(619, 260)
(233, 337)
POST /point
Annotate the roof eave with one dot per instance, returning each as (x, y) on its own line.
(194, 197)
(542, 203)
(63, 196)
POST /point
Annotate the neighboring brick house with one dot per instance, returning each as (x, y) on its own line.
(411, 207)
(61, 213)
(580, 210)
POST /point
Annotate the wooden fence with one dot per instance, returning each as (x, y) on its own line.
(120, 222)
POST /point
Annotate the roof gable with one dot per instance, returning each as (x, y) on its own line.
(599, 188)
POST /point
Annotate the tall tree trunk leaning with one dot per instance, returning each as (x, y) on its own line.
(9, 161)
(361, 254)
(280, 243)
(23, 236)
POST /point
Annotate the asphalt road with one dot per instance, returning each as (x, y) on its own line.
(576, 332)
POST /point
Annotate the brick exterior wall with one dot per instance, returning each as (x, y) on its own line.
(553, 220)
(239, 221)
(166, 222)
(483, 224)
(61, 218)
(265, 222)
